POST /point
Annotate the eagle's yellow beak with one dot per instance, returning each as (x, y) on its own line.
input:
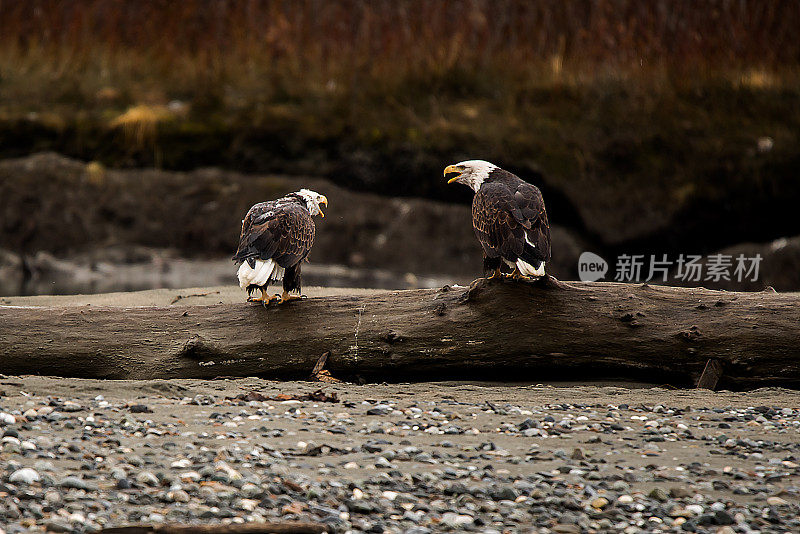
(450, 170)
(323, 200)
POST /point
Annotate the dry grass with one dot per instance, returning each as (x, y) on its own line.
(140, 123)
(154, 51)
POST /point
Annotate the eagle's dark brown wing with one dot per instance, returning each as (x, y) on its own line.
(280, 231)
(533, 216)
(511, 223)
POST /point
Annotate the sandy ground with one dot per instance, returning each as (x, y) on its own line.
(409, 458)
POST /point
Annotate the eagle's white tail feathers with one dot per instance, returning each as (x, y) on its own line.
(263, 273)
(528, 270)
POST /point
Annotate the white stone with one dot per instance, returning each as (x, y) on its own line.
(26, 475)
(696, 509)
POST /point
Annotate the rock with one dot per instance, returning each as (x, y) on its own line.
(620, 486)
(456, 521)
(722, 517)
(204, 400)
(380, 409)
(58, 525)
(371, 447)
(705, 520)
(678, 492)
(26, 475)
(695, 509)
(360, 506)
(181, 496)
(73, 482)
(504, 493)
(658, 494)
(600, 503)
(565, 528)
(71, 406)
(527, 424)
(383, 463)
(776, 501)
(44, 465)
(147, 478)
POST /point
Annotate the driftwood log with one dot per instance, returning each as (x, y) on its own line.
(496, 329)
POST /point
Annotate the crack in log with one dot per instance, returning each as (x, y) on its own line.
(358, 327)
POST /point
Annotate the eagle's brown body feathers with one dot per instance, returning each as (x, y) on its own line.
(508, 216)
(510, 221)
(281, 232)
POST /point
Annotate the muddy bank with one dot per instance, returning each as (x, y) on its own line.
(69, 227)
(62, 206)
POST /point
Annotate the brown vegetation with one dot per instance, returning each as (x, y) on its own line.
(210, 40)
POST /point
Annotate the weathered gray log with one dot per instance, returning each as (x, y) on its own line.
(514, 329)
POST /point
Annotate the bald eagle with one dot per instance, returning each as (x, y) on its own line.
(508, 216)
(276, 237)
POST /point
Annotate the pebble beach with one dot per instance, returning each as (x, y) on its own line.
(83, 455)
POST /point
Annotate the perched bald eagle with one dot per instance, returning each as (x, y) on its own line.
(508, 216)
(276, 237)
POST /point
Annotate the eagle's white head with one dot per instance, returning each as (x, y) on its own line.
(313, 201)
(471, 173)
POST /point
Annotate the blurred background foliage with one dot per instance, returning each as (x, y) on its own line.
(644, 122)
(258, 85)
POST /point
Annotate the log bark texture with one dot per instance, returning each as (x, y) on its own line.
(510, 329)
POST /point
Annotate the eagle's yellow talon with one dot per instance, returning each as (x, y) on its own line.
(262, 298)
(286, 297)
(496, 275)
(516, 275)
